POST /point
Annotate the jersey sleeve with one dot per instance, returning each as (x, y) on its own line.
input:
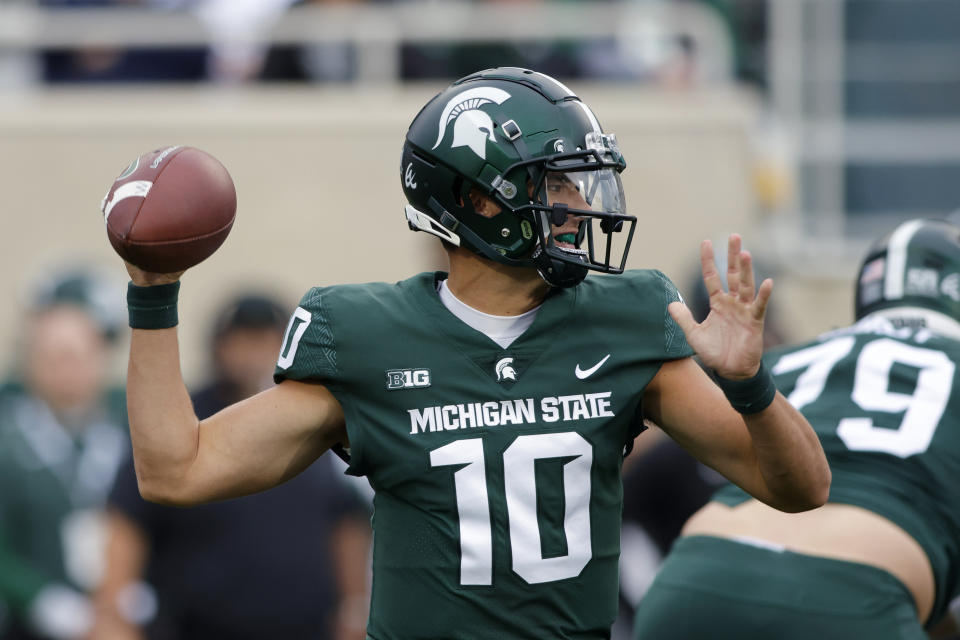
(675, 342)
(309, 351)
(653, 332)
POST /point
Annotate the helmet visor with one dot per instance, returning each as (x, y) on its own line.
(597, 191)
(574, 199)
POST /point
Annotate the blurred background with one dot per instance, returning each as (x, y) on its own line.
(805, 125)
(808, 126)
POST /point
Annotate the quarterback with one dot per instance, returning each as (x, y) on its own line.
(490, 407)
(882, 557)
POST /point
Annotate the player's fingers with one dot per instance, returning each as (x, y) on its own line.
(763, 297)
(682, 316)
(733, 264)
(747, 284)
(711, 277)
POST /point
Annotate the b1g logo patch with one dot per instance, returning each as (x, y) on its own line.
(407, 379)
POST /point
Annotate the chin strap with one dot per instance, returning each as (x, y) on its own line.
(562, 274)
(558, 273)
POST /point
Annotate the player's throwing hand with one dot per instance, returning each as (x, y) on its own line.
(143, 278)
(730, 339)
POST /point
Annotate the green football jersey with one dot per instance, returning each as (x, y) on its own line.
(885, 404)
(496, 471)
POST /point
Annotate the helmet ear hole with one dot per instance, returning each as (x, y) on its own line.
(458, 191)
(483, 205)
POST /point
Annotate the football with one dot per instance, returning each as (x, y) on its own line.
(170, 209)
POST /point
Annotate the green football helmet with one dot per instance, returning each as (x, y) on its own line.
(916, 266)
(526, 142)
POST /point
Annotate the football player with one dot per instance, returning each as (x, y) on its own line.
(490, 406)
(882, 557)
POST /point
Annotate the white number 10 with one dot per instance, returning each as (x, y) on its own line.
(921, 410)
(473, 508)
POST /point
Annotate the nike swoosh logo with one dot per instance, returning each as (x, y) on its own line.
(584, 374)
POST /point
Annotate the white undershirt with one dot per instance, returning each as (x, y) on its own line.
(501, 329)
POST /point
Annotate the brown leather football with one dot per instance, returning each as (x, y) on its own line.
(170, 209)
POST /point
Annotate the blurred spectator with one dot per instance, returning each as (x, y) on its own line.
(234, 27)
(658, 42)
(317, 62)
(62, 439)
(100, 64)
(288, 563)
(235, 52)
(652, 42)
(432, 61)
(234, 55)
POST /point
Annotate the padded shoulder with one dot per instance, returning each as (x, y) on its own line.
(637, 300)
(329, 320)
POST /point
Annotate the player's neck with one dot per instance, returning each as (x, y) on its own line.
(494, 288)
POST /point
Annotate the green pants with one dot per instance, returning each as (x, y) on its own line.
(713, 588)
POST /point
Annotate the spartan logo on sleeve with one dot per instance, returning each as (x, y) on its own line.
(471, 126)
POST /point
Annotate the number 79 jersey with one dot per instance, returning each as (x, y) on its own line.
(885, 404)
(496, 471)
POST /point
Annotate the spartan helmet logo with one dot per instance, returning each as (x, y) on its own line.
(471, 126)
(505, 370)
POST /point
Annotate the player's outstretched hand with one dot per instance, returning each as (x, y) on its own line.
(143, 278)
(730, 339)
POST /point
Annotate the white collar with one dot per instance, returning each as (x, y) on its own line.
(501, 329)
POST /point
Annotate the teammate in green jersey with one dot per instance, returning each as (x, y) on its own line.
(883, 556)
(490, 406)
